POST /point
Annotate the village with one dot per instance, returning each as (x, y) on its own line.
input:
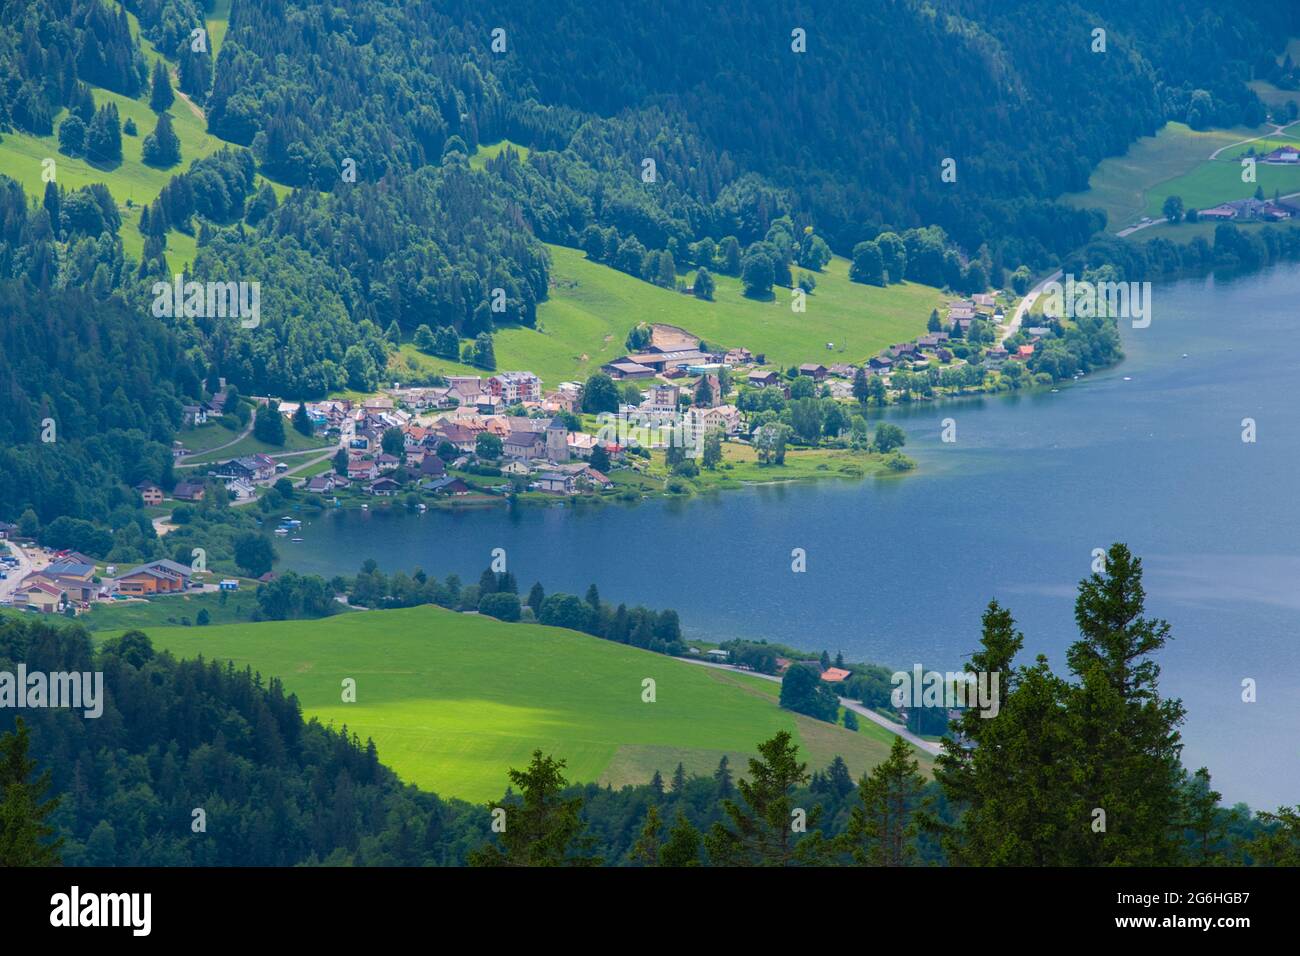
(503, 433)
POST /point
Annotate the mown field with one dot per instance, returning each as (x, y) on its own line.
(453, 700)
(1174, 161)
(592, 308)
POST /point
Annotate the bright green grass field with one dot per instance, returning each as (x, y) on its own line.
(1220, 181)
(217, 22)
(293, 441)
(592, 308)
(1134, 185)
(454, 700)
(484, 153)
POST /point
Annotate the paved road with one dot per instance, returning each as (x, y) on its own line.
(928, 746)
(26, 565)
(1025, 305)
(252, 420)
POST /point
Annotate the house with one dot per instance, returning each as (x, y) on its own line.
(41, 595)
(904, 350)
(432, 467)
(461, 436)
(76, 579)
(150, 493)
(556, 483)
(516, 467)
(1223, 211)
(881, 363)
(514, 388)
(580, 444)
(387, 462)
(228, 584)
(740, 356)
(835, 675)
(1283, 155)
(1025, 352)
(383, 487)
(465, 389)
(763, 378)
(361, 469)
(192, 415)
(996, 356)
(725, 417)
(157, 577)
(188, 491)
(597, 479)
(217, 404)
(7, 530)
(718, 654)
(234, 469)
(928, 343)
(664, 394)
(984, 300)
(321, 484)
(447, 485)
(813, 370)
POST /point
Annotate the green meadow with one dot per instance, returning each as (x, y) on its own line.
(454, 700)
(1134, 185)
(132, 183)
(592, 307)
(492, 150)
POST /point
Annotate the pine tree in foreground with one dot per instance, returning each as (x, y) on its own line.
(882, 828)
(764, 825)
(542, 827)
(24, 834)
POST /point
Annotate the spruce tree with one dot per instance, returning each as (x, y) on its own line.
(760, 829)
(536, 595)
(1127, 743)
(161, 96)
(646, 848)
(25, 837)
(683, 845)
(542, 827)
(883, 826)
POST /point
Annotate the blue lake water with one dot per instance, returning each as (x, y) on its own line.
(899, 569)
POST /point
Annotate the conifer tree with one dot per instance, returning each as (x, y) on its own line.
(883, 826)
(24, 833)
(161, 96)
(683, 845)
(542, 827)
(760, 829)
(647, 846)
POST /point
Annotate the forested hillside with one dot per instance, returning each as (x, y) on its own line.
(853, 131)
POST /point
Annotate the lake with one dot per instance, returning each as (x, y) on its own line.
(899, 569)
